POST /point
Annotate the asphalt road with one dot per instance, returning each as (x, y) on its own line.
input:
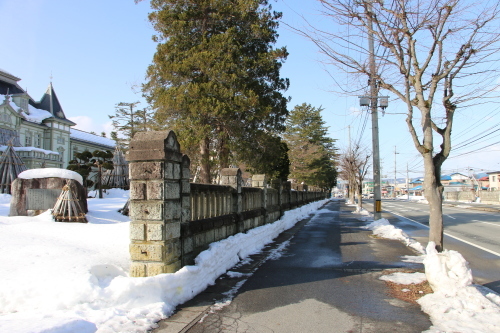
(326, 280)
(475, 234)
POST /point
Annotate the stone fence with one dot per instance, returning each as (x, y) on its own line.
(173, 220)
(488, 197)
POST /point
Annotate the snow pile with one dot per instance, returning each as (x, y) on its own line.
(49, 173)
(72, 277)
(404, 278)
(384, 229)
(456, 305)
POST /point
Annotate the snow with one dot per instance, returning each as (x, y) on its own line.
(456, 305)
(72, 277)
(405, 278)
(49, 173)
(36, 115)
(383, 228)
(84, 136)
(40, 150)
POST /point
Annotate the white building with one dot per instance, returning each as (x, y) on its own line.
(39, 130)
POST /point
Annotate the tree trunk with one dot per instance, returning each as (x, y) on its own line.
(99, 181)
(205, 161)
(360, 198)
(352, 191)
(224, 152)
(434, 194)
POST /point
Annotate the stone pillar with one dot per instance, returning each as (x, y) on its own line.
(260, 181)
(157, 194)
(277, 184)
(232, 177)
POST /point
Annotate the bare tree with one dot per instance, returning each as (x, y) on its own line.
(434, 55)
(354, 164)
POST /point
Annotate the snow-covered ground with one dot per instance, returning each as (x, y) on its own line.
(72, 277)
(456, 305)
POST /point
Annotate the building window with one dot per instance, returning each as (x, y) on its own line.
(60, 150)
(27, 139)
(38, 140)
(60, 140)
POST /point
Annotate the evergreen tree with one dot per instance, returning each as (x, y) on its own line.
(312, 152)
(85, 162)
(215, 70)
(267, 155)
(128, 120)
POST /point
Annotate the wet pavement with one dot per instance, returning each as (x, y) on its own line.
(326, 279)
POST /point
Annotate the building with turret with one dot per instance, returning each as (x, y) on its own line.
(39, 130)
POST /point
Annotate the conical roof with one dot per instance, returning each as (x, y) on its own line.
(118, 177)
(11, 166)
(67, 207)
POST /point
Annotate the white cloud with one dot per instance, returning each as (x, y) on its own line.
(87, 124)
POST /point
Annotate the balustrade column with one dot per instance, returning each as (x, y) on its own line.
(159, 201)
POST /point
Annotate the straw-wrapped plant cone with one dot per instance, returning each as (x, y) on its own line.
(67, 207)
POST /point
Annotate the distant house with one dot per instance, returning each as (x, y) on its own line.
(484, 182)
(39, 130)
(494, 180)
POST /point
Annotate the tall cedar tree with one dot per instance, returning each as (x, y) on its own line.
(312, 152)
(215, 70)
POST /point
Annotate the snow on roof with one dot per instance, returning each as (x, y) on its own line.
(35, 115)
(84, 136)
(40, 150)
(50, 173)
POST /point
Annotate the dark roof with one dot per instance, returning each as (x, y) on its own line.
(44, 103)
(6, 87)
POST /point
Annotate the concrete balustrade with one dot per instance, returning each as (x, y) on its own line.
(173, 220)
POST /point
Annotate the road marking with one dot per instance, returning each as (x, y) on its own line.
(451, 217)
(457, 238)
(496, 225)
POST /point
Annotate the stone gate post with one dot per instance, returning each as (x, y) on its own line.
(158, 202)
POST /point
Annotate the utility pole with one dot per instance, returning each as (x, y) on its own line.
(407, 185)
(377, 212)
(395, 176)
(372, 102)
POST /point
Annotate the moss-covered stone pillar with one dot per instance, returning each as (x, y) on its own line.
(158, 192)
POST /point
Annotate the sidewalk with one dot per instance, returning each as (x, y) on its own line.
(323, 278)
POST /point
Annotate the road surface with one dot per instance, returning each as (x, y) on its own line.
(473, 233)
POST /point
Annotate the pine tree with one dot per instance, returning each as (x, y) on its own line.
(215, 70)
(84, 163)
(312, 152)
(127, 120)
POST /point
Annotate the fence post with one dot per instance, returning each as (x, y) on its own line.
(277, 184)
(158, 202)
(260, 181)
(232, 177)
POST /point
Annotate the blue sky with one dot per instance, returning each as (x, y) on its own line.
(96, 51)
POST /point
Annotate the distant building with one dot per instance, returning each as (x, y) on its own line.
(494, 180)
(39, 130)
